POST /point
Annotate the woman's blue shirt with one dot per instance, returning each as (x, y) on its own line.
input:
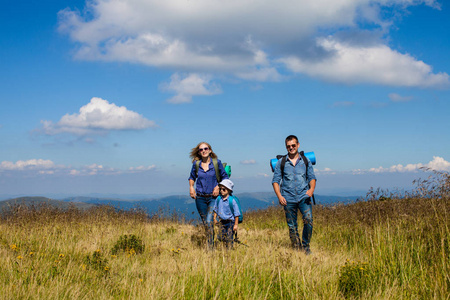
(207, 181)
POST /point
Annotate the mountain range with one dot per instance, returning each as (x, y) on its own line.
(179, 204)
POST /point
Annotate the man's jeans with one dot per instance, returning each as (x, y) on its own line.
(205, 206)
(305, 208)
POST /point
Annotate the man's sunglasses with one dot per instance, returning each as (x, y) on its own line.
(223, 189)
(291, 146)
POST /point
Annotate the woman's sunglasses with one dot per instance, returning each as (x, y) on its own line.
(203, 149)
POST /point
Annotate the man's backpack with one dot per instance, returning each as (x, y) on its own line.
(305, 160)
(216, 168)
(230, 202)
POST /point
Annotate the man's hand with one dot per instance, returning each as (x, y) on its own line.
(216, 191)
(312, 186)
(282, 200)
(192, 192)
(235, 227)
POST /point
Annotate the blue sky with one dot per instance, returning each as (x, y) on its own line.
(110, 96)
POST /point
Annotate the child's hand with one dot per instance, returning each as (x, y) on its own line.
(235, 227)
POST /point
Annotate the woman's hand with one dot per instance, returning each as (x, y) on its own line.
(192, 192)
(216, 191)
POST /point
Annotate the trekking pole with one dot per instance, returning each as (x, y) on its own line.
(237, 240)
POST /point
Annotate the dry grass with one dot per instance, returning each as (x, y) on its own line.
(392, 249)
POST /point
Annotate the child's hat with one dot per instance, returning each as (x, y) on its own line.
(227, 183)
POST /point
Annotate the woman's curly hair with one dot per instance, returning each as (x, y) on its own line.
(195, 155)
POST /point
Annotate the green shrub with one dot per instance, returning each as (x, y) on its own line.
(354, 278)
(97, 262)
(128, 243)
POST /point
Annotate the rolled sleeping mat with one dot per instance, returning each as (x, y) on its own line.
(310, 155)
(228, 170)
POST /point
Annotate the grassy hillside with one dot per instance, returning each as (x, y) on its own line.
(391, 249)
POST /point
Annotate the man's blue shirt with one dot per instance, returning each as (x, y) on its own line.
(223, 210)
(294, 183)
(207, 181)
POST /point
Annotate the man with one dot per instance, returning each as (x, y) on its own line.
(297, 188)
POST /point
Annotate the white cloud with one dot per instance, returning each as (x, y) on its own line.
(248, 162)
(49, 172)
(141, 168)
(48, 167)
(325, 171)
(97, 116)
(246, 38)
(398, 98)
(263, 175)
(437, 164)
(93, 169)
(32, 164)
(74, 172)
(188, 86)
(97, 169)
(369, 64)
(260, 74)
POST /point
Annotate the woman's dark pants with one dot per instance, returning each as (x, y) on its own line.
(205, 207)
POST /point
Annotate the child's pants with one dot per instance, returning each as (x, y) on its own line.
(226, 234)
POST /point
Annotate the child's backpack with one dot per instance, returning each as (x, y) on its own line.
(216, 168)
(230, 202)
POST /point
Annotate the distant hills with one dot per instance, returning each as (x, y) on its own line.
(181, 204)
(7, 204)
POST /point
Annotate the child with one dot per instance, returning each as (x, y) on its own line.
(227, 210)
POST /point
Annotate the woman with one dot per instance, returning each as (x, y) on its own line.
(207, 187)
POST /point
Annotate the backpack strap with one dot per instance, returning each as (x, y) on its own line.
(197, 166)
(216, 168)
(283, 162)
(230, 203)
(305, 160)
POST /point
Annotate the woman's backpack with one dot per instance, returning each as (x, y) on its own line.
(216, 168)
